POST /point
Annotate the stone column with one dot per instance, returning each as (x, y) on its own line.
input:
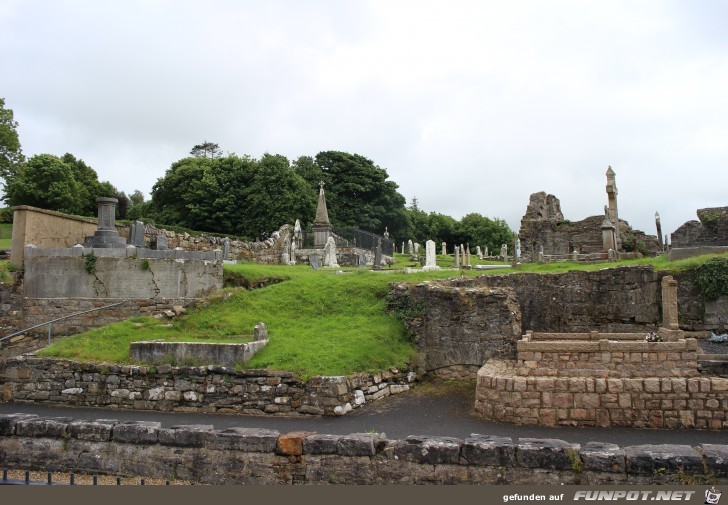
(669, 303)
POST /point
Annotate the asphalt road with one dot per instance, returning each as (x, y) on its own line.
(421, 411)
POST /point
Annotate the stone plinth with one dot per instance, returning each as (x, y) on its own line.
(106, 235)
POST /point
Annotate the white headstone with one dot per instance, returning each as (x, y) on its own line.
(330, 253)
(430, 260)
(444, 249)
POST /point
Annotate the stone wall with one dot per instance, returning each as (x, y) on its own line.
(191, 389)
(457, 329)
(47, 229)
(40, 310)
(503, 395)
(203, 455)
(711, 230)
(611, 300)
(607, 358)
(80, 272)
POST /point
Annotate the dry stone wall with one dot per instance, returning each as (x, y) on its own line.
(201, 454)
(192, 389)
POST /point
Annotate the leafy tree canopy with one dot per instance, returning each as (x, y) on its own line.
(358, 193)
(233, 194)
(206, 150)
(64, 184)
(11, 155)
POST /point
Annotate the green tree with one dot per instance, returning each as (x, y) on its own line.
(11, 155)
(359, 194)
(46, 181)
(234, 195)
(277, 195)
(206, 150)
(478, 230)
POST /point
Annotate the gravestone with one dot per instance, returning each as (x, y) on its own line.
(330, 253)
(160, 243)
(361, 260)
(378, 255)
(417, 250)
(430, 259)
(410, 248)
(136, 234)
(504, 253)
(315, 261)
(457, 257)
(297, 237)
(444, 249)
(478, 252)
(226, 249)
(575, 255)
(485, 252)
(403, 247)
(467, 257)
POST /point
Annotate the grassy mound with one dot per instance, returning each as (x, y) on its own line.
(320, 323)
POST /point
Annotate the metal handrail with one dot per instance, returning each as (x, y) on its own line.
(50, 323)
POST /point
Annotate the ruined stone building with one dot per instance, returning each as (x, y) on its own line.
(711, 230)
(544, 225)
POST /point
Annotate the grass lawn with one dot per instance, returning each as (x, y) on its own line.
(6, 235)
(319, 323)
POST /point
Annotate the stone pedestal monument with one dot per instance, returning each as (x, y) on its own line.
(106, 236)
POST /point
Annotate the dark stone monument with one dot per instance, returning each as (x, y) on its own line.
(106, 236)
(378, 255)
(160, 243)
(136, 234)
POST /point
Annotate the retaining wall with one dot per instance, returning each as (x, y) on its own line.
(80, 272)
(457, 329)
(191, 389)
(200, 454)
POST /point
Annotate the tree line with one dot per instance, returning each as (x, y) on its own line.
(240, 195)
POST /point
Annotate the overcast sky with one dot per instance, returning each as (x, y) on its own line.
(470, 106)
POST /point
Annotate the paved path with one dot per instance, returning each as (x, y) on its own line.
(418, 412)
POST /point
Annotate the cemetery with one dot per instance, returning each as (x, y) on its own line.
(564, 349)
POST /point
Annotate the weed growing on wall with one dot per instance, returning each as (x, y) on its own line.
(90, 263)
(712, 277)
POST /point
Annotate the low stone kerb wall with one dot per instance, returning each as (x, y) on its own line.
(607, 358)
(191, 389)
(200, 454)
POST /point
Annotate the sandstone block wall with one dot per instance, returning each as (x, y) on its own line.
(457, 329)
(200, 454)
(605, 358)
(503, 395)
(191, 389)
